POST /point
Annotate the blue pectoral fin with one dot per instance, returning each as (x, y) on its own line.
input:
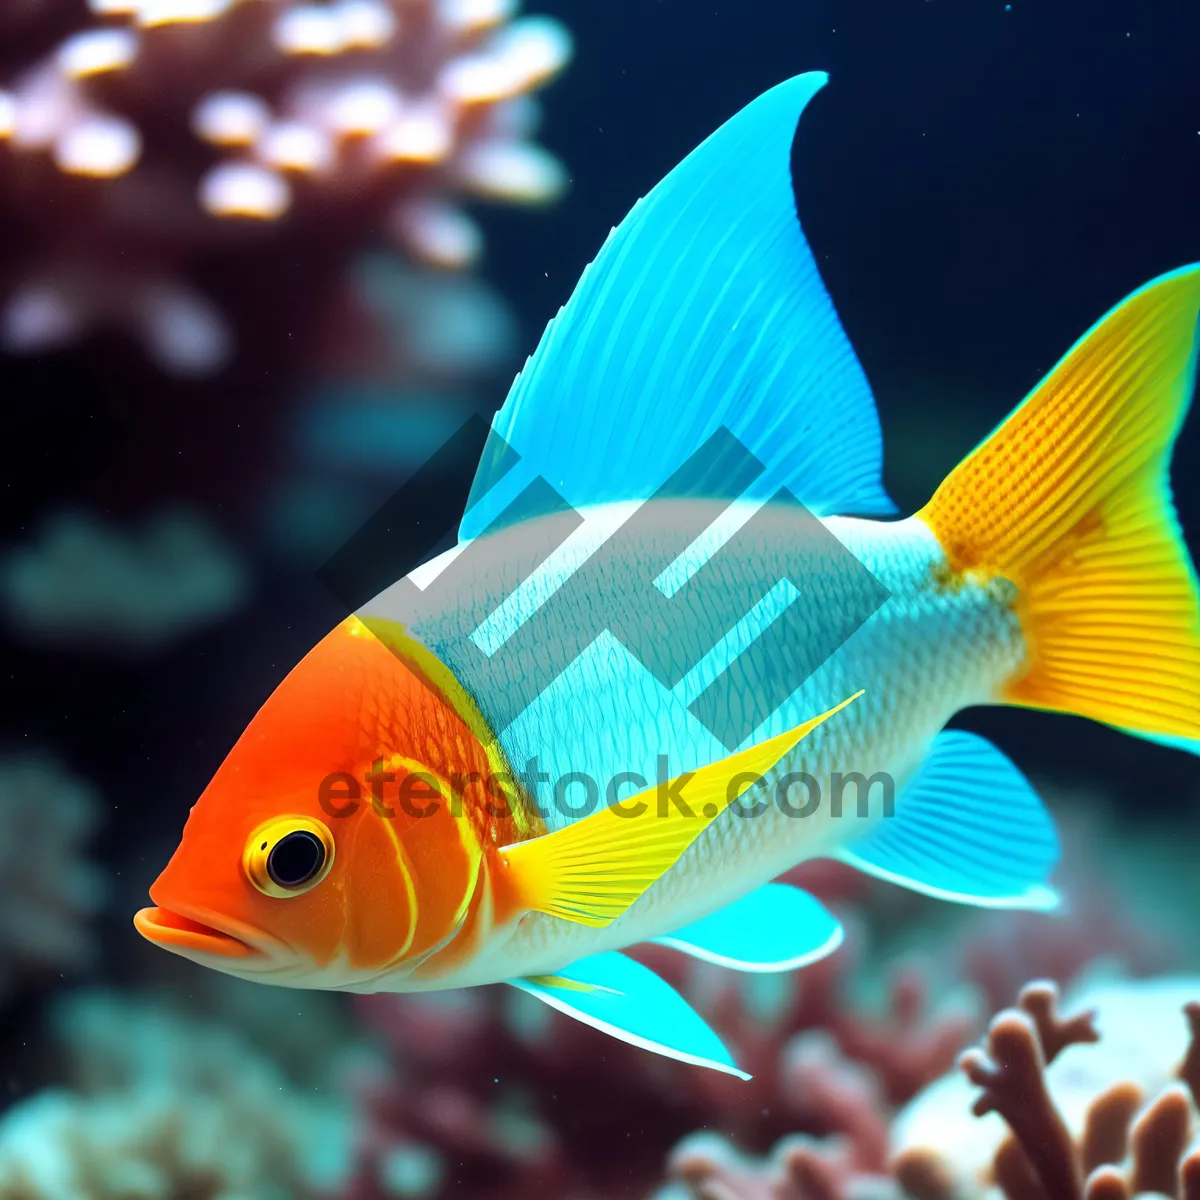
(776, 928)
(969, 827)
(627, 1000)
(703, 310)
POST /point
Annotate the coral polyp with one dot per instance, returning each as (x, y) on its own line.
(161, 132)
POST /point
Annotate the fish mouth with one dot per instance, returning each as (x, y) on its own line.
(194, 933)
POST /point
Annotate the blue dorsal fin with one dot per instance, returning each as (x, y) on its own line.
(775, 928)
(615, 994)
(969, 827)
(704, 309)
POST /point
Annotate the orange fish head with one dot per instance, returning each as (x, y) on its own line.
(333, 847)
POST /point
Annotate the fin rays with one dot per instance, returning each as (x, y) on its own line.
(704, 309)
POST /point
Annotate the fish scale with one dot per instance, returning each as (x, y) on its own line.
(927, 652)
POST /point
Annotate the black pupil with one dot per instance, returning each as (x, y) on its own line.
(297, 857)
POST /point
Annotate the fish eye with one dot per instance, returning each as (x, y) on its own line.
(288, 856)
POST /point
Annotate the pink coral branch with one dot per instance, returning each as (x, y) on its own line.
(1189, 1069)
(1055, 1033)
(799, 1168)
(1157, 1143)
(911, 1046)
(1011, 1074)
(1106, 1128)
(837, 1096)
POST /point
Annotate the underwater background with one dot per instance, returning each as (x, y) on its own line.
(216, 361)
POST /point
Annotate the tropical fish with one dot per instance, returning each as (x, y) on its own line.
(681, 614)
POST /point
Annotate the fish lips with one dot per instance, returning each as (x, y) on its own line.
(201, 935)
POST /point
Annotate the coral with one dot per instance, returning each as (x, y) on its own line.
(853, 1060)
(1107, 915)
(836, 1081)
(49, 889)
(462, 1109)
(162, 133)
(799, 1168)
(89, 584)
(467, 1070)
(1098, 1106)
(845, 1071)
(168, 1107)
(1021, 1043)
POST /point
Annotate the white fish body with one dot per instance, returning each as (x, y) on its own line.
(930, 650)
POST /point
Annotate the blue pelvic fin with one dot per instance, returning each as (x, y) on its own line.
(704, 309)
(775, 928)
(627, 1000)
(969, 827)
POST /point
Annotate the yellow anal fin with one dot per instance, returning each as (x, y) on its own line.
(1069, 499)
(593, 870)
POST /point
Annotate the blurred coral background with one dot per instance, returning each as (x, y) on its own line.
(258, 259)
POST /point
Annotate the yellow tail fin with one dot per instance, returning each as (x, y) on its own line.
(1070, 500)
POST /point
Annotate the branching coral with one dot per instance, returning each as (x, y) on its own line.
(163, 131)
(49, 888)
(1084, 1122)
(832, 1071)
(466, 1103)
(1021, 1043)
(506, 1098)
(167, 1107)
(1100, 1105)
(841, 1101)
(842, 1077)
(799, 1168)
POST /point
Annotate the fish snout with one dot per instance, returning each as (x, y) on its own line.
(211, 939)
